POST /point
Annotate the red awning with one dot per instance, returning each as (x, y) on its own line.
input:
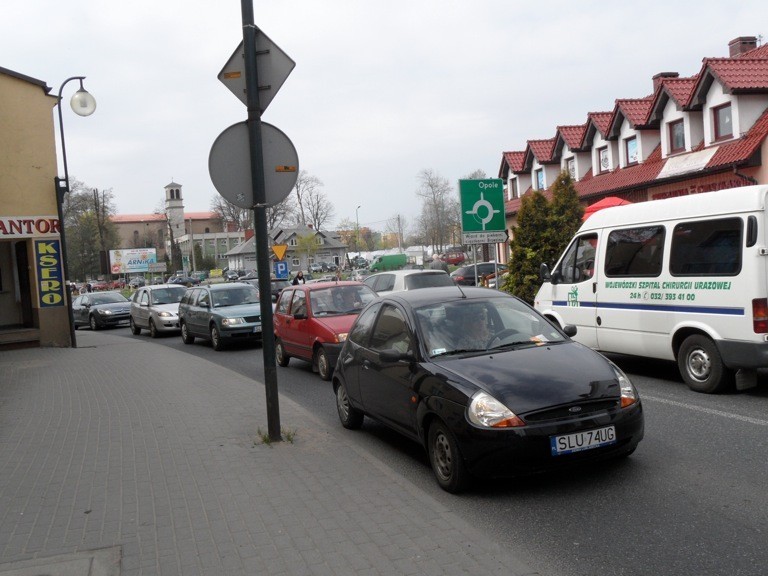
(606, 202)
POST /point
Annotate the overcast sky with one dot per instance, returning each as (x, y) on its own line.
(382, 89)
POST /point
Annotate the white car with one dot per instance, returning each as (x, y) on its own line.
(399, 280)
(156, 308)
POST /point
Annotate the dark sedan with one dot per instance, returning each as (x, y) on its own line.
(485, 383)
(101, 310)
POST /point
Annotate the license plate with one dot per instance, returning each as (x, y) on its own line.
(570, 443)
(257, 329)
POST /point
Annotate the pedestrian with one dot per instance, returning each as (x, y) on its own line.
(89, 287)
(299, 279)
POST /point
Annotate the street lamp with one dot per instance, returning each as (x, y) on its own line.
(83, 104)
(357, 230)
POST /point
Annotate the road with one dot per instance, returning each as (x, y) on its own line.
(692, 500)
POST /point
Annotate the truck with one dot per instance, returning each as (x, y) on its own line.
(389, 262)
(682, 279)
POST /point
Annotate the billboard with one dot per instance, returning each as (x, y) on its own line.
(130, 260)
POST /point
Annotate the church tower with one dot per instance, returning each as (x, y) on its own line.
(174, 210)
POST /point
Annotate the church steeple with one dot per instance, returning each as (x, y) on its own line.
(174, 209)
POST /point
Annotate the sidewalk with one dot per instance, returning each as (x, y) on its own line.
(122, 457)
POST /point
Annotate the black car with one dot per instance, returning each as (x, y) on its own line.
(183, 281)
(465, 275)
(101, 310)
(485, 383)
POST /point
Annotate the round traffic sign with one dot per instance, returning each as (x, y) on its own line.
(229, 165)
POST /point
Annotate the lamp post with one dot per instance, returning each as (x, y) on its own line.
(83, 104)
(357, 230)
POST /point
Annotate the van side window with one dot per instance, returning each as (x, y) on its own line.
(635, 252)
(578, 263)
(707, 248)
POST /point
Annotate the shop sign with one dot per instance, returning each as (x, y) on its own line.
(28, 226)
(50, 278)
(131, 260)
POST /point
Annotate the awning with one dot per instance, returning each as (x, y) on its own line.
(607, 202)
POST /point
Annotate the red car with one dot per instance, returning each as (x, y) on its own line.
(312, 321)
(453, 258)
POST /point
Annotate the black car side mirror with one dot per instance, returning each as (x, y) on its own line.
(570, 330)
(544, 274)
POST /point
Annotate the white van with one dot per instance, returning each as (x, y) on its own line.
(681, 279)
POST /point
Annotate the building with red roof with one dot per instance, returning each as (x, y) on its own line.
(691, 135)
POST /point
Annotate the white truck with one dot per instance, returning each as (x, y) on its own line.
(682, 279)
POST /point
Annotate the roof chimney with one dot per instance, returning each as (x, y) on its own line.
(660, 76)
(742, 44)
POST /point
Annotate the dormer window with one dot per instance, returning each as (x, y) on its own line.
(318, 240)
(630, 147)
(540, 179)
(293, 242)
(571, 167)
(603, 162)
(676, 136)
(513, 193)
(722, 121)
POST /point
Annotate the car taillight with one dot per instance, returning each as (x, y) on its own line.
(760, 315)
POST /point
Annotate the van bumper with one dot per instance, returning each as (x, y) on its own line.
(748, 355)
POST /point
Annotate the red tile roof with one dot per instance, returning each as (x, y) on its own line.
(634, 109)
(601, 120)
(759, 52)
(679, 89)
(137, 217)
(742, 149)
(515, 160)
(739, 74)
(572, 135)
(541, 149)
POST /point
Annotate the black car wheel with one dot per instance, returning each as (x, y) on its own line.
(350, 417)
(186, 337)
(444, 456)
(135, 329)
(216, 338)
(280, 356)
(702, 367)
(323, 364)
(152, 328)
(93, 323)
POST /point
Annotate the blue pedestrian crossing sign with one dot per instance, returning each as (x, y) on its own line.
(281, 269)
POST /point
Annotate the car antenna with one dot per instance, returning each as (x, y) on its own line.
(460, 290)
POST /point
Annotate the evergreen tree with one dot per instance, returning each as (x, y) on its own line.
(565, 214)
(529, 246)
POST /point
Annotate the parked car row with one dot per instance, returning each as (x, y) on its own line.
(483, 382)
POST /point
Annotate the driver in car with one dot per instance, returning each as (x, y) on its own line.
(475, 332)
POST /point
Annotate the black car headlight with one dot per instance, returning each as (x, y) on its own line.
(629, 394)
(487, 412)
(104, 312)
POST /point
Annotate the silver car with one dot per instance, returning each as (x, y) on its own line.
(156, 308)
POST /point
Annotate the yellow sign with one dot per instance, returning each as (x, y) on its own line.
(285, 168)
(279, 250)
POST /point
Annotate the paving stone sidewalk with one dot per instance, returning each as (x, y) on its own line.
(135, 459)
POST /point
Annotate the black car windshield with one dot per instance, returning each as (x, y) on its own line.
(482, 325)
(235, 296)
(108, 298)
(337, 300)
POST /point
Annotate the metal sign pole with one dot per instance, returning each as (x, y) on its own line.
(260, 220)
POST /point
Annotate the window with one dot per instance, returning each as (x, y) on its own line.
(319, 240)
(571, 166)
(299, 305)
(293, 242)
(603, 163)
(207, 230)
(630, 147)
(540, 179)
(635, 252)
(706, 248)
(285, 299)
(362, 326)
(723, 124)
(676, 136)
(512, 189)
(295, 262)
(578, 264)
(391, 331)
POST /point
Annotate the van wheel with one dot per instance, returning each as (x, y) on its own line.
(702, 367)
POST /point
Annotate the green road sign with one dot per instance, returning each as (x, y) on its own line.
(482, 211)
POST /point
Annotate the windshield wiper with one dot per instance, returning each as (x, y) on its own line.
(459, 351)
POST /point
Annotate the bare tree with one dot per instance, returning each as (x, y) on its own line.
(434, 190)
(282, 213)
(240, 218)
(318, 208)
(306, 186)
